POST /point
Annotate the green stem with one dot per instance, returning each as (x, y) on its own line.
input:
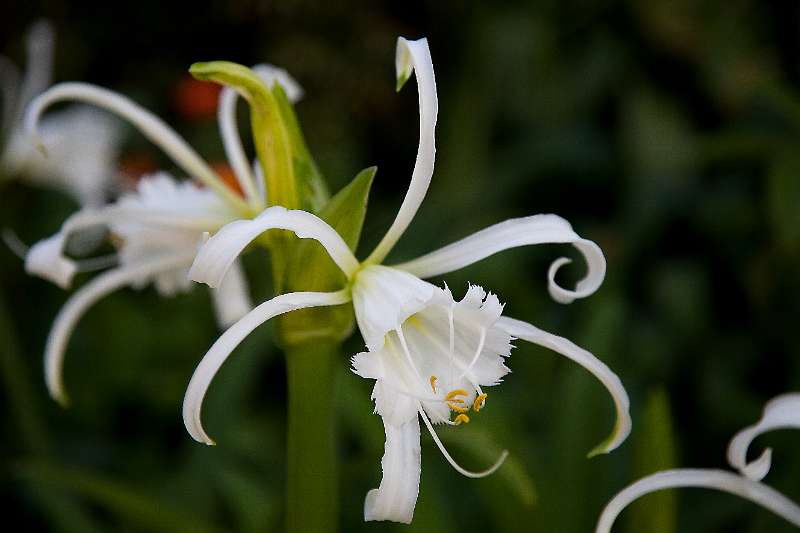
(312, 483)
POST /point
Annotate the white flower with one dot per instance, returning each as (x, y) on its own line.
(83, 145)
(430, 355)
(157, 229)
(782, 412)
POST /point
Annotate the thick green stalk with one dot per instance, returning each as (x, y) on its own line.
(312, 481)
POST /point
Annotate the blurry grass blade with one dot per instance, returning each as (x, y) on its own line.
(149, 513)
(476, 443)
(654, 450)
(784, 197)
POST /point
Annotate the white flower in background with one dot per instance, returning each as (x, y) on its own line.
(430, 355)
(83, 144)
(158, 228)
(782, 412)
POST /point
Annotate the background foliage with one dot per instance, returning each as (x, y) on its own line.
(667, 131)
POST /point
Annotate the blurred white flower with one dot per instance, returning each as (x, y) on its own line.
(83, 144)
(429, 354)
(157, 229)
(782, 412)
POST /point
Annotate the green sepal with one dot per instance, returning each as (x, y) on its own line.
(270, 132)
(311, 269)
(312, 189)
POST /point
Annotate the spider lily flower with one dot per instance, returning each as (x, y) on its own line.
(157, 229)
(782, 412)
(83, 143)
(430, 355)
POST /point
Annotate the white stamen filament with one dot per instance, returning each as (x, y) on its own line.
(461, 470)
(402, 338)
(477, 355)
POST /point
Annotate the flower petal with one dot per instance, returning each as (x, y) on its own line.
(396, 496)
(11, 106)
(782, 412)
(84, 298)
(721, 480)
(232, 299)
(40, 42)
(414, 56)
(272, 74)
(530, 333)
(232, 142)
(536, 229)
(218, 254)
(228, 341)
(46, 258)
(149, 124)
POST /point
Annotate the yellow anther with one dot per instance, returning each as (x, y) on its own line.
(433, 383)
(457, 408)
(477, 405)
(453, 393)
(461, 418)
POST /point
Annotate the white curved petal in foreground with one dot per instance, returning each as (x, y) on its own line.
(530, 333)
(149, 124)
(721, 480)
(536, 229)
(396, 496)
(232, 298)
(84, 298)
(782, 412)
(414, 56)
(217, 255)
(228, 341)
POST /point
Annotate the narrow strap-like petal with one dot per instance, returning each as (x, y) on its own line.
(232, 142)
(46, 258)
(150, 125)
(10, 105)
(530, 333)
(782, 412)
(396, 496)
(228, 341)
(414, 56)
(84, 298)
(721, 480)
(40, 43)
(232, 298)
(537, 229)
(218, 254)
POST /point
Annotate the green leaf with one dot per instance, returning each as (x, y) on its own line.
(654, 450)
(149, 513)
(311, 269)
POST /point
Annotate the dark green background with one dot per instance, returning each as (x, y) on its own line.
(665, 131)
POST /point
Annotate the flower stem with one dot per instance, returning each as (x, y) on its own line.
(312, 482)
